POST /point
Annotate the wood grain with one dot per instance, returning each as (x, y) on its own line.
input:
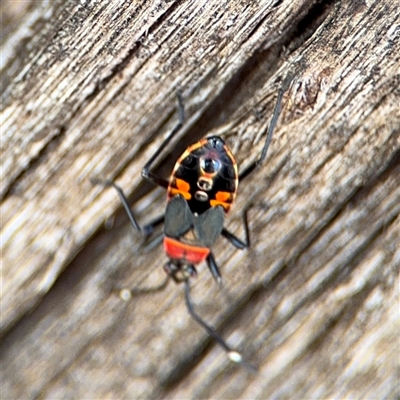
(89, 90)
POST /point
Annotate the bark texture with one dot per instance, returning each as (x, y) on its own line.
(89, 90)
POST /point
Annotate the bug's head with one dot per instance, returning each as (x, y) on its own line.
(212, 159)
(179, 270)
(216, 143)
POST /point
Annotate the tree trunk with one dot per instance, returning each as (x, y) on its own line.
(89, 91)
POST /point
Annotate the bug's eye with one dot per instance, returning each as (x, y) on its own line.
(216, 142)
(210, 165)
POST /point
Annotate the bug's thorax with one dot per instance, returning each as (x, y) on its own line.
(205, 175)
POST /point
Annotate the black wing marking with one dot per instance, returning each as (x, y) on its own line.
(178, 217)
(208, 226)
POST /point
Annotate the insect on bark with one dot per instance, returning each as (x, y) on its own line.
(200, 192)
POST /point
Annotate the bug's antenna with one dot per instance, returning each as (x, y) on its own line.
(271, 126)
(233, 355)
(270, 131)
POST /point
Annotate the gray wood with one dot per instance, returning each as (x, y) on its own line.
(89, 90)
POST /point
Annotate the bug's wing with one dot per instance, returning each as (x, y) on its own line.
(178, 217)
(208, 226)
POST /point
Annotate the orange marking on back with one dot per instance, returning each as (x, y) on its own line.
(173, 192)
(223, 196)
(177, 250)
(182, 188)
(215, 203)
(223, 199)
(182, 185)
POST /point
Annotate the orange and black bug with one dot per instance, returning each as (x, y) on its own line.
(200, 192)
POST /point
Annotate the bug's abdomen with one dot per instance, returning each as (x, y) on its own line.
(206, 176)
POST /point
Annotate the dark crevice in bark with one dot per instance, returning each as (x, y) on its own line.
(309, 24)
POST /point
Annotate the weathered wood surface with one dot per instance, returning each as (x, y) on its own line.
(88, 89)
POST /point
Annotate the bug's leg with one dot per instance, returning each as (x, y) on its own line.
(149, 228)
(213, 267)
(146, 230)
(150, 244)
(149, 176)
(123, 199)
(270, 131)
(146, 173)
(233, 355)
(239, 243)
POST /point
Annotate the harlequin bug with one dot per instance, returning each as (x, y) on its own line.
(200, 192)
